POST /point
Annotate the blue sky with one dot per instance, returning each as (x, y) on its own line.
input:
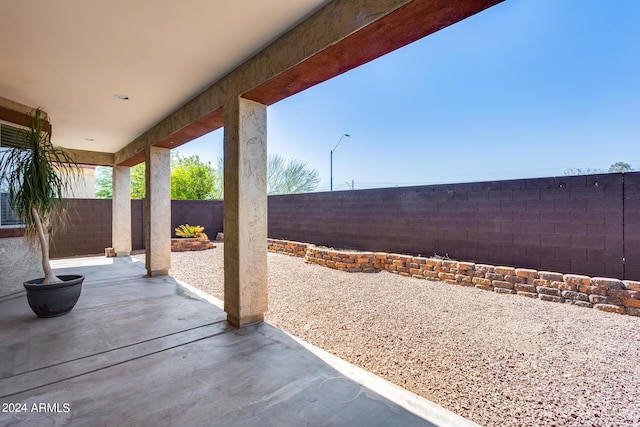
(528, 88)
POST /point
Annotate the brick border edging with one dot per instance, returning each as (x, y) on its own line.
(602, 293)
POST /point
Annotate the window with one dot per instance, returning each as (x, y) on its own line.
(8, 138)
(7, 217)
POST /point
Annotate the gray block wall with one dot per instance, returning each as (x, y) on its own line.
(632, 225)
(565, 224)
(89, 232)
(580, 224)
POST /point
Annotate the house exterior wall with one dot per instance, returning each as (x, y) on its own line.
(17, 264)
(83, 186)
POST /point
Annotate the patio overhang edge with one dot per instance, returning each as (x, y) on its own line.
(337, 38)
(96, 158)
(410, 22)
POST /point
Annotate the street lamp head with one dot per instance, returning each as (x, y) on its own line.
(334, 149)
(340, 140)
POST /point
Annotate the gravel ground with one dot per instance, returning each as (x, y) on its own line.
(498, 360)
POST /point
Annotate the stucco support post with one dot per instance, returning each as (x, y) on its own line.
(121, 211)
(158, 210)
(245, 211)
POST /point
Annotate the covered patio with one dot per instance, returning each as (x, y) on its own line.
(150, 351)
(121, 86)
(214, 68)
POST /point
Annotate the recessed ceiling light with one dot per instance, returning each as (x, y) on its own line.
(121, 96)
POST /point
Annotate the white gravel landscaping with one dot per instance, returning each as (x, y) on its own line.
(498, 360)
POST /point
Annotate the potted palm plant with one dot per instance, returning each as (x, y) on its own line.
(37, 176)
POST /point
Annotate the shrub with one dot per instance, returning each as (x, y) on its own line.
(191, 231)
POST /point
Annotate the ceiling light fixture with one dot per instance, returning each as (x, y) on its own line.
(121, 96)
(89, 139)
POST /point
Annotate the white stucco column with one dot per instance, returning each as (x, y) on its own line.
(121, 211)
(245, 211)
(158, 211)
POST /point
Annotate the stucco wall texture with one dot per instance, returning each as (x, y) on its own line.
(580, 224)
(19, 264)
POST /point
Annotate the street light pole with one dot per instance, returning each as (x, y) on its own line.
(331, 164)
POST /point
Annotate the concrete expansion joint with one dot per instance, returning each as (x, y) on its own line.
(94, 363)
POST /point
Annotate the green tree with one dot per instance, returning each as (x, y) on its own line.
(616, 167)
(192, 179)
(103, 184)
(290, 176)
(102, 187)
(284, 177)
(138, 181)
(583, 171)
(220, 172)
(620, 167)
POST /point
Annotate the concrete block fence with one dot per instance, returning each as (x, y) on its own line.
(577, 224)
(602, 293)
(89, 229)
(586, 225)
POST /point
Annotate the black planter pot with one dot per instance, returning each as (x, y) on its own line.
(55, 299)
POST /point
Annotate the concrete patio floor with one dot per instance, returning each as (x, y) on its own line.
(151, 352)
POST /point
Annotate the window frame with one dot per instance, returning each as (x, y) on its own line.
(13, 225)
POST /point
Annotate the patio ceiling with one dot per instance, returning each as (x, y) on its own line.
(70, 58)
